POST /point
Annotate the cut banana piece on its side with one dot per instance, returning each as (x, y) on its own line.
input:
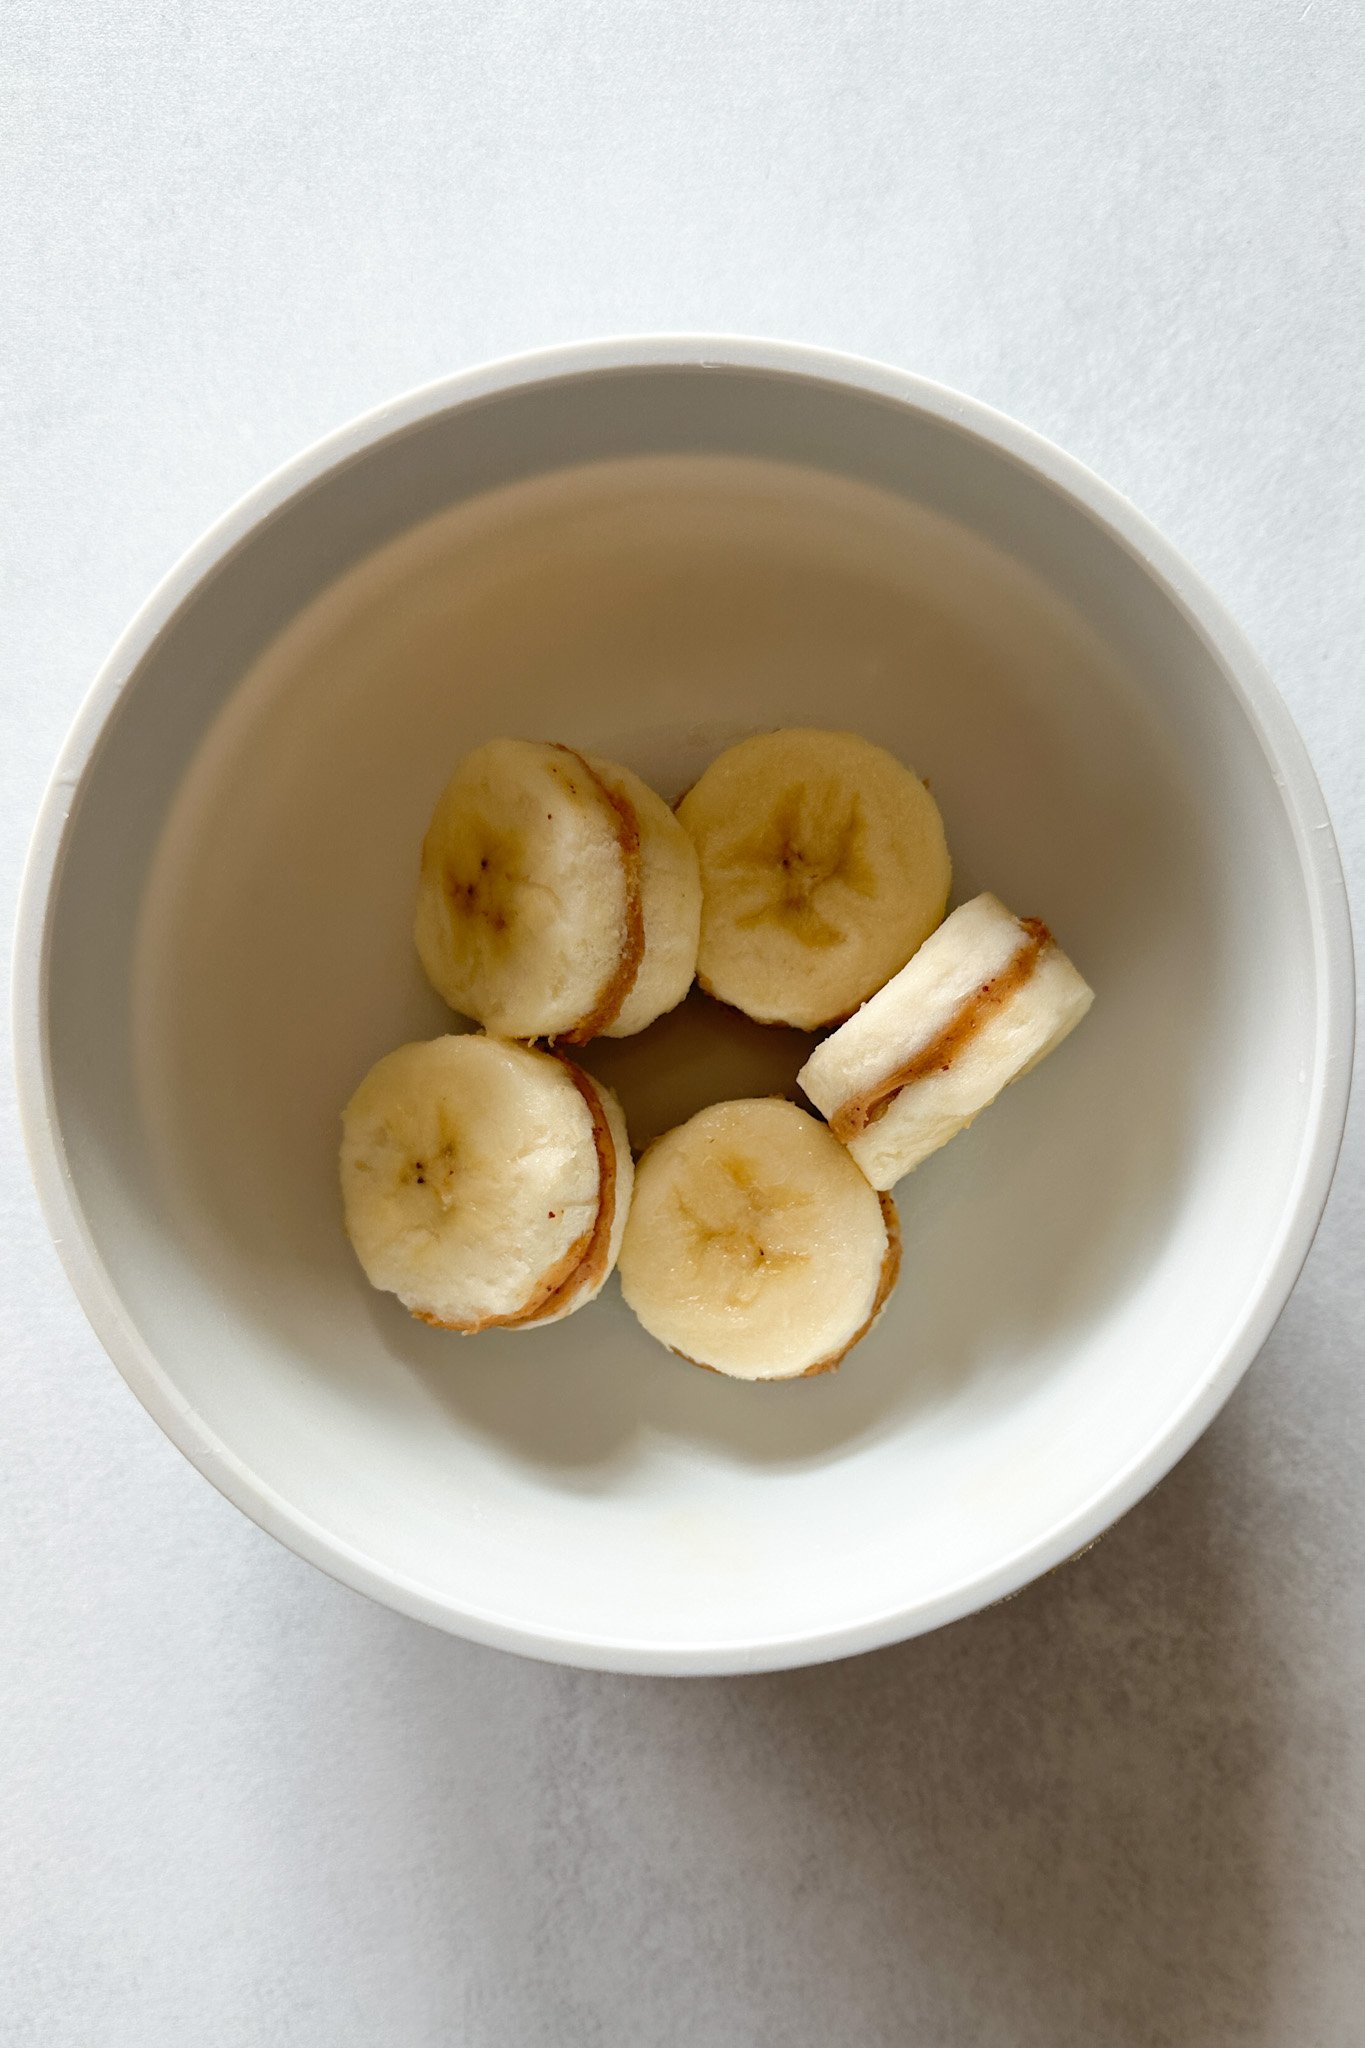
(755, 1246)
(485, 1184)
(559, 897)
(986, 997)
(823, 867)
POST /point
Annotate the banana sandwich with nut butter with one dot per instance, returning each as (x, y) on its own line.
(488, 1181)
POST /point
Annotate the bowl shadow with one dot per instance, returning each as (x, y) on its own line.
(1066, 1793)
(1047, 1826)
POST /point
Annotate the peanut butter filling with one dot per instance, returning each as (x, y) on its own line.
(618, 985)
(854, 1116)
(891, 1265)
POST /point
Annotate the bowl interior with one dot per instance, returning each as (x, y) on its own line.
(231, 949)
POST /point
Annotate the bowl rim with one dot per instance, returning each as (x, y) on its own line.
(1261, 705)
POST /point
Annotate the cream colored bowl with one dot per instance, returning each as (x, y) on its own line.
(648, 548)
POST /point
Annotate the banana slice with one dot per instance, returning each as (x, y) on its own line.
(559, 897)
(986, 997)
(485, 1184)
(823, 866)
(754, 1245)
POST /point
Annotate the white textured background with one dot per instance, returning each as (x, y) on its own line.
(241, 1808)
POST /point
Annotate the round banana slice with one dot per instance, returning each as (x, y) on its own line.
(485, 1184)
(986, 997)
(754, 1244)
(823, 867)
(559, 897)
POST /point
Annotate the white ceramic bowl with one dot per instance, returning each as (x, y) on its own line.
(648, 548)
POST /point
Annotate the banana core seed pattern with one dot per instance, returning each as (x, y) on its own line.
(485, 887)
(796, 855)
